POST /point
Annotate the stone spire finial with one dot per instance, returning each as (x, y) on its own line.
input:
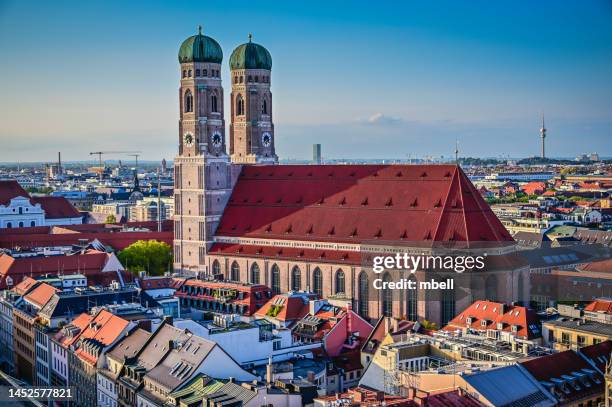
(199, 29)
(250, 37)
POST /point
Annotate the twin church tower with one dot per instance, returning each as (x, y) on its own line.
(202, 124)
(204, 172)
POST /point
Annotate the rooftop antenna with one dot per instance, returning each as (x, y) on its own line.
(159, 226)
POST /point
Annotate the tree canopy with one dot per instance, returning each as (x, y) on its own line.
(151, 256)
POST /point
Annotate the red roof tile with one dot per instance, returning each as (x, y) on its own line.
(26, 284)
(10, 190)
(602, 266)
(57, 207)
(600, 305)
(41, 294)
(552, 369)
(294, 306)
(19, 268)
(104, 328)
(356, 203)
(525, 319)
(599, 354)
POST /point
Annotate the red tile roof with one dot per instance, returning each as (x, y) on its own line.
(78, 324)
(57, 207)
(287, 253)
(25, 285)
(293, 306)
(599, 354)
(10, 190)
(450, 399)
(356, 203)
(552, 369)
(41, 294)
(525, 319)
(602, 266)
(535, 187)
(91, 261)
(600, 305)
(361, 396)
(104, 328)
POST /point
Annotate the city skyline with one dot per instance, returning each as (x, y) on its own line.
(418, 78)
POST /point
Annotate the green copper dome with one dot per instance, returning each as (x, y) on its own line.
(200, 48)
(250, 56)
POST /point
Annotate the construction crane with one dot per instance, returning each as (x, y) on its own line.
(100, 153)
(136, 157)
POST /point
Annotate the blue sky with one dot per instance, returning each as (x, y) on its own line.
(365, 79)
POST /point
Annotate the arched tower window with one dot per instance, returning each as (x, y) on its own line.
(363, 294)
(213, 103)
(296, 279)
(491, 288)
(387, 298)
(235, 272)
(448, 306)
(521, 289)
(340, 284)
(276, 279)
(239, 105)
(264, 107)
(317, 282)
(254, 274)
(216, 267)
(412, 303)
(188, 101)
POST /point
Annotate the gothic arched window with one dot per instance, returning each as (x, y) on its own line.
(239, 105)
(32, 223)
(521, 288)
(188, 101)
(235, 272)
(254, 274)
(317, 282)
(213, 103)
(216, 267)
(387, 297)
(276, 279)
(412, 302)
(491, 288)
(296, 279)
(363, 294)
(448, 306)
(264, 107)
(340, 284)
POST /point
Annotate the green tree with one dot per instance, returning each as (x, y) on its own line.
(151, 256)
(110, 219)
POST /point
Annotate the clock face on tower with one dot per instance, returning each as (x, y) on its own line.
(188, 139)
(216, 139)
(266, 139)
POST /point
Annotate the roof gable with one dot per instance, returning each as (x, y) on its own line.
(356, 203)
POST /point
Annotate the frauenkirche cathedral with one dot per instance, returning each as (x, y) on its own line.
(242, 216)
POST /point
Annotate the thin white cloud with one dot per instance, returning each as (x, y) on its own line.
(380, 118)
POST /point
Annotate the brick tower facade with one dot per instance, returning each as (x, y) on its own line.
(202, 170)
(251, 128)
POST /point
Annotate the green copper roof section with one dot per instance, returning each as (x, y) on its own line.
(250, 56)
(200, 48)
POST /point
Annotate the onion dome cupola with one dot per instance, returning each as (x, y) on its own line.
(250, 56)
(200, 48)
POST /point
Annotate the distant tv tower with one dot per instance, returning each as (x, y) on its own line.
(543, 136)
(457, 151)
